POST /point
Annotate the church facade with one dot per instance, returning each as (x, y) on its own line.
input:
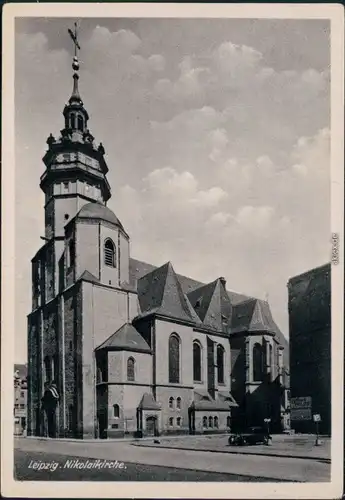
(131, 348)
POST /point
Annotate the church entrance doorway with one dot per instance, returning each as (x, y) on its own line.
(151, 426)
(191, 418)
(102, 424)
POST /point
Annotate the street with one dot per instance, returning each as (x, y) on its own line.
(155, 464)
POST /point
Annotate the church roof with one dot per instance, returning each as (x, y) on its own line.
(212, 304)
(138, 269)
(203, 401)
(95, 210)
(159, 292)
(87, 276)
(148, 403)
(252, 315)
(246, 311)
(126, 338)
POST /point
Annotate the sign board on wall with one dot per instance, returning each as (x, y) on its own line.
(301, 402)
(301, 408)
(317, 417)
(301, 414)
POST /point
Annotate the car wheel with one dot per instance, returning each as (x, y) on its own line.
(244, 442)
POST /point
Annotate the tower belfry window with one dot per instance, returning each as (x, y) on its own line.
(109, 253)
(80, 123)
(72, 120)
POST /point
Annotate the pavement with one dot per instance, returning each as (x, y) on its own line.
(250, 465)
(296, 446)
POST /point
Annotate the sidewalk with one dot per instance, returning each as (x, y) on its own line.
(302, 447)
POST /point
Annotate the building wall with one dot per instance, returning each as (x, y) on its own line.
(87, 248)
(20, 406)
(310, 343)
(104, 311)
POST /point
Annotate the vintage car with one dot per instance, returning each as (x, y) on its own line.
(252, 435)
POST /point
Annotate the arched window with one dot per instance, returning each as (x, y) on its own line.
(178, 421)
(210, 421)
(174, 359)
(204, 422)
(109, 253)
(131, 369)
(178, 403)
(72, 122)
(71, 251)
(171, 422)
(80, 123)
(270, 356)
(257, 363)
(171, 403)
(216, 424)
(116, 411)
(48, 368)
(220, 363)
(197, 361)
(228, 422)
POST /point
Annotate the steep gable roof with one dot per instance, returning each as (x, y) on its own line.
(138, 269)
(159, 292)
(212, 304)
(87, 276)
(126, 338)
(242, 305)
(252, 316)
(148, 403)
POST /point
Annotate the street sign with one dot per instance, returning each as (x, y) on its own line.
(317, 417)
(301, 402)
(301, 414)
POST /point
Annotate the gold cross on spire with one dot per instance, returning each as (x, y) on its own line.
(74, 36)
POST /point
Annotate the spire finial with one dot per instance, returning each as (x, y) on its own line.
(75, 63)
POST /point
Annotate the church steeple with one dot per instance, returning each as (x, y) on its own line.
(76, 116)
(75, 166)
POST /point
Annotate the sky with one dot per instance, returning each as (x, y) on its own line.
(216, 135)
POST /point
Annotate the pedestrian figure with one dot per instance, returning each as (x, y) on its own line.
(49, 403)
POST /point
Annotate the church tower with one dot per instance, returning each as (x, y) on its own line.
(79, 276)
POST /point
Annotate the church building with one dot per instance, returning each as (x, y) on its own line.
(133, 349)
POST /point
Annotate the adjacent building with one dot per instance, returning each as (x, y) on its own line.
(130, 348)
(310, 347)
(20, 399)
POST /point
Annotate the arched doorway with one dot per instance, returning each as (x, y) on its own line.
(151, 425)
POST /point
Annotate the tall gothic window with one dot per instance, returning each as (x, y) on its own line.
(257, 363)
(109, 253)
(220, 363)
(174, 359)
(71, 248)
(196, 361)
(131, 369)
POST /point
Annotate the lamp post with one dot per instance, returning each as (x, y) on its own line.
(267, 422)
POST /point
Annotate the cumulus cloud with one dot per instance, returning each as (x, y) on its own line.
(218, 161)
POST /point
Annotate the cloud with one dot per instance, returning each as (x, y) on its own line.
(218, 161)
